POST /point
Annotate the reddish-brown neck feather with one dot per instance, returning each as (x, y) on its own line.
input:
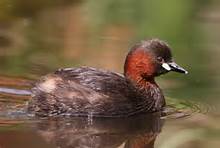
(139, 67)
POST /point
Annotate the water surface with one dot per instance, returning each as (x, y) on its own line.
(190, 120)
(37, 37)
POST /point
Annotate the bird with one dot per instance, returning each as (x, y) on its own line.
(88, 91)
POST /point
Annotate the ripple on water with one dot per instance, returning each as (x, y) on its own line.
(182, 108)
(13, 106)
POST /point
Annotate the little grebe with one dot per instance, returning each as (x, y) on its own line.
(87, 91)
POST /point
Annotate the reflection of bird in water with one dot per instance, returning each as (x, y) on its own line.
(89, 91)
(133, 132)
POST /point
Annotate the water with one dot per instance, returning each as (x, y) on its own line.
(38, 37)
(20, 129)
(76, 132)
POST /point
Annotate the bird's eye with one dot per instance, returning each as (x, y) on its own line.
(160, 59)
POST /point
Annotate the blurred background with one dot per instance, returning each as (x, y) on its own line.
(37, 37)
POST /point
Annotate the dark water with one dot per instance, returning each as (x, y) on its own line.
(37, 37)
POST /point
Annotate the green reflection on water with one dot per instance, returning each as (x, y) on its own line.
(37, 37)
(44, 35)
